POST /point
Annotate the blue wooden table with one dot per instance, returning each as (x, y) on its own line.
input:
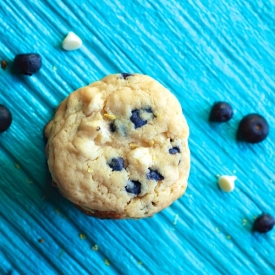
(203, 51)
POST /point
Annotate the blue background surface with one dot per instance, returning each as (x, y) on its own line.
(203, 51)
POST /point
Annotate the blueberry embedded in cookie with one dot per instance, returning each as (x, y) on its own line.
(116, 146)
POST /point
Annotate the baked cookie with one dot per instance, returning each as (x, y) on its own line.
(118, 147)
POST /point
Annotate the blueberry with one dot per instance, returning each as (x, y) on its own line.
(133, 187)
(154, 175)
(27, 64)
(112, 127)
(117, 164)
(174, 150)
(5, 118)
(125, 75)
(220, 112)
(136, 119)
(253, 128)
(263, 223)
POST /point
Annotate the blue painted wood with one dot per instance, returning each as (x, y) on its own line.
(202, 51)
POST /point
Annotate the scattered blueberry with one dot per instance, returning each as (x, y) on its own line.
(125, 75)
(253, 128)
(112, 127)
(174, 150)
(220, 112)
(27, 64)
(5, 118)
(117, 164)
(263, 223)
(133, 187)
(154, 175)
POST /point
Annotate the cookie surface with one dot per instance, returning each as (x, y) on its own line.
(118, 147)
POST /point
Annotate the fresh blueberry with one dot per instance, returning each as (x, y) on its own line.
(154, 175)
(117, 164)
(5, 118)
(174, 150)
(148, 110)
(136, 119)
(133, 187)
(253, 128)
(125, 75)
(264, 223)
(27, 64)
(112, 127)
(220, 112)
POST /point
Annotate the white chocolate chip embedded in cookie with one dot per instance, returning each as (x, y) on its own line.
(118, 147)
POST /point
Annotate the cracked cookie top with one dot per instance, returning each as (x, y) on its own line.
(119, 145)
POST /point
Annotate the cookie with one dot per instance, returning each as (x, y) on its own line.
(118, 148)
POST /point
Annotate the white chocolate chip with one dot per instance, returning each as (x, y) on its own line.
(71, 42)
(227, 183)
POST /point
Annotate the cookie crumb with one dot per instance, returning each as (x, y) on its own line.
(109, 116)
(228, 237)
(61, 253)
(244, 222)
(140, 262)
(106, 261)
(56, 211)
(176, 219)
(41, 240)
(16, 165)
(95, 247)
(82, 236)
(217, 229)
(3, 64)
(54, 68)
(29, 181)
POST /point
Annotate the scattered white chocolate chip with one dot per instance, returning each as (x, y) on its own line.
(71, 42)
(227, 183)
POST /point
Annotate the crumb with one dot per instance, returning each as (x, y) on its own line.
(56, 211)
(90, 170)
(176, 219)
(270, 181)
(61, 253)
(41, 240)
(95, 247)
(139, 262)
(228, 237)
(106, 261)
(217, 229)
(29, 181)
(54, 68)
(82, 236)
(16, 165)
(3, 64)
(244, 222)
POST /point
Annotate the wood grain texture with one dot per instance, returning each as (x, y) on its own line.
(203, 51)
